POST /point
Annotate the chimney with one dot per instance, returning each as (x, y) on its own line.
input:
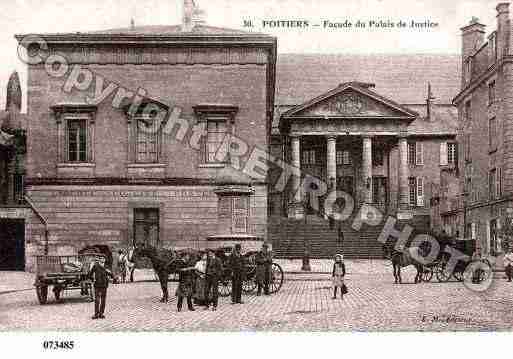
(430, 103)
(503, 31)
(188, 10)
(472, 37)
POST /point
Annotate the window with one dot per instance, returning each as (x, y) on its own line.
(467, 111)
(343, 157)
(346, 157)
(219, 122)
(146, 226)
(234, 211)
(468, 69)
(378, 157)
(147, 142)
(492, 134)
(308, 157)
(467, 147)
(491, 92)
(18, 189)
(412, 191)
(492, 184)
(451, 153)
(75, 134)
(77, 140)
(411, 153)
(340, 158)
(416, 190)
(216, 131)
(415, 153)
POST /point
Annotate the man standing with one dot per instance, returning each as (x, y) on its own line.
(508, 263)
(237, 268)
(99, 275)
(264, 262)
(212, 274)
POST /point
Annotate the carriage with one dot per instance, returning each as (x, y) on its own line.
(249, 284)
(64, 272)
(439, 267)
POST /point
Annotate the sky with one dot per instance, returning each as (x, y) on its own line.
(43, 16)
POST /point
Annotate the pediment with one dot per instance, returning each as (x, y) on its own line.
(350, 101)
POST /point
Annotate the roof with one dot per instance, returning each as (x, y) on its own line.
(444, 120)
(171, 30)
(398, 77)
(356, 86)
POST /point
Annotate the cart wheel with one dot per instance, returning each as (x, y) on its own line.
(249, 285)
(225, 287)
(57, 293)
(276, 278)
(427, 274)
(458, 275)
(441, 274)
(42, 293)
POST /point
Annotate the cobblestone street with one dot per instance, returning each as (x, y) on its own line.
(303, 304)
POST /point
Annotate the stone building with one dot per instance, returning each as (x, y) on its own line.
(485, 108)
(367, 125)
(126, 144)
(13, 209)
(160, 135)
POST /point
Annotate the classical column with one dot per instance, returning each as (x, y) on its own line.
(331, 166)
(367, 168)
(296, 209)
(403, 173)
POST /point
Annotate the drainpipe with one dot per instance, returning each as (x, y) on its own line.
(41, 218)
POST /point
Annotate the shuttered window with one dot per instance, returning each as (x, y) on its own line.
(216, 130)
(419, 153)
(77, 140)
(420, 192)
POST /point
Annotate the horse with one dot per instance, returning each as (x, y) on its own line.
(127, 265)
(163, 261)
(403, 258)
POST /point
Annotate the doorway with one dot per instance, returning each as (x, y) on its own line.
(12, 244)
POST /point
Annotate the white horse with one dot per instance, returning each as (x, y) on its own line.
(126, 265)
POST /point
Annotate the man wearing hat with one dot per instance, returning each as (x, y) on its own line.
(237, 267)
(264, 262)
(213, 271)
(99, 275)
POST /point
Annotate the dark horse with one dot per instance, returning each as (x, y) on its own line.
(164, 262)
(400, 259)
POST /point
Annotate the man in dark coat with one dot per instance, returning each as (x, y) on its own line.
(99, 275)
(185, 283)
(213, 271)
(237, 269)
(264, 262)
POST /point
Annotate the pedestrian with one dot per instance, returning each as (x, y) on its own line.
(185, 287)
(99, 275)
(264, 263)
(508, 262)
(200, 294)
(237, 269)
(213, 272)
(338, 273)
(121, 265)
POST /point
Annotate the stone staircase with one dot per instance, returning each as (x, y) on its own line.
(290, 237)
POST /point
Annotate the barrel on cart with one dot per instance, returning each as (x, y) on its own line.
(64, 272)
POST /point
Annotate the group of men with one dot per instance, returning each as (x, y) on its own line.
(213, 271)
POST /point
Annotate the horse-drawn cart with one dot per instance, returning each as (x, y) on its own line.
(249, 284)
(66, 272)
(440, 267)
